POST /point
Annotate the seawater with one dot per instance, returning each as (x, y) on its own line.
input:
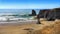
(16, 13)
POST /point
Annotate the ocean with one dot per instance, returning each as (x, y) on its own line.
(16, 13)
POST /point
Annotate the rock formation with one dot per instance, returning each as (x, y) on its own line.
(47, 13)
(57, 13)
(33, 13)
(54, 14)
(50, 14)
(44, 13)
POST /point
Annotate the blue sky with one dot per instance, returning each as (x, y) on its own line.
(29, 4)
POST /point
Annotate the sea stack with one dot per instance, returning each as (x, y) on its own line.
(33, 12)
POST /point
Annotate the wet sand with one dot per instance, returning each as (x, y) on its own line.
(7, 23)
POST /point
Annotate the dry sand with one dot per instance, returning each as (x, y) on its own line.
(47, 27)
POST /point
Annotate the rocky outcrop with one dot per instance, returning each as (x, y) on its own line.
(44, 13)
(54, 14)
(57, 13)
(33, 13)
(50, 14)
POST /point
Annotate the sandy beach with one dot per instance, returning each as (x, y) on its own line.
(47, 27)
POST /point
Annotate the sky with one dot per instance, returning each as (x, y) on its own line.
(29, 4)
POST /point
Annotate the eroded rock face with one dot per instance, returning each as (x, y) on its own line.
(50, 14)
(44, 13)
(57, 13)
(54, 14)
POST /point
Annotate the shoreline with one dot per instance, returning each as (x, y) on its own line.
(18, 22)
